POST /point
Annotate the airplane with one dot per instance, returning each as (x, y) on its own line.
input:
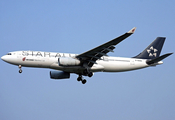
(87, 63)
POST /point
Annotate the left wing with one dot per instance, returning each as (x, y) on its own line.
(92, 55)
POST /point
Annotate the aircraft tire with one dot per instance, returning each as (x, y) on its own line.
(20, 71)
(90, 74)
(79, 79)
(84, 81)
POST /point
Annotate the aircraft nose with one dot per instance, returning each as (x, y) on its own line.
(4, 58)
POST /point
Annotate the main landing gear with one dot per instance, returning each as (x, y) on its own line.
(20, 70)
(80, 78)
(86, 72)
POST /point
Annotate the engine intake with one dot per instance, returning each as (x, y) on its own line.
(68, 61)
(59, 75)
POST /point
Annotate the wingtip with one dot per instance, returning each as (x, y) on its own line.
(132, 30)
(171, 53)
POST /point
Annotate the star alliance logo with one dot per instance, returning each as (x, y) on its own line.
(152, 51)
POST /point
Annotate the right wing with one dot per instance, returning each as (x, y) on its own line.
(92, 55)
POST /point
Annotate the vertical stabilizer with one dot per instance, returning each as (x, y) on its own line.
(153, 50)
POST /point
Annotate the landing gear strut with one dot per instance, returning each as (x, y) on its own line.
(80, 78)
(20, 70)
(88, 73)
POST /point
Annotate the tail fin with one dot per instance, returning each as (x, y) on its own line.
(153, 50)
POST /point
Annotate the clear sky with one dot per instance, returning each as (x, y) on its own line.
(75, 27)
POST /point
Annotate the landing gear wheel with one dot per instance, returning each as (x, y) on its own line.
(20, 71)
(90, 74)
(84, 81)
(79, 78)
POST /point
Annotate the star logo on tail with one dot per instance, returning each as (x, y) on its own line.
(152, 51)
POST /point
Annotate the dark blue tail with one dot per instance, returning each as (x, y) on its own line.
(153, 50)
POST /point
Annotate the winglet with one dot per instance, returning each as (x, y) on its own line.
(132, 30)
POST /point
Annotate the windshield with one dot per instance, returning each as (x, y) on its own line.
(9, 54)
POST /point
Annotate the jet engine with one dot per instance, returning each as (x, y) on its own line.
(59, 75)
(68, 61)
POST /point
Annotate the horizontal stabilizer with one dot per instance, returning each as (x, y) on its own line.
(149, 62)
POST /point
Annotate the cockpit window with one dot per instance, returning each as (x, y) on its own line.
(9, 54)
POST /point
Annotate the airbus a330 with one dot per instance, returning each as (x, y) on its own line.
(87, 63)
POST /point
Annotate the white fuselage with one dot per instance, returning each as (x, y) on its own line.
(50, 60)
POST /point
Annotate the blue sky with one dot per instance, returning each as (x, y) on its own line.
(75, 27)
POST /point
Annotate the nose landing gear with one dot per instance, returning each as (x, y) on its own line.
(80, 78)
(20, 70)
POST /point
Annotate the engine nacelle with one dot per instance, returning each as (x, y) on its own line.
(68, 61)
(59, 75)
